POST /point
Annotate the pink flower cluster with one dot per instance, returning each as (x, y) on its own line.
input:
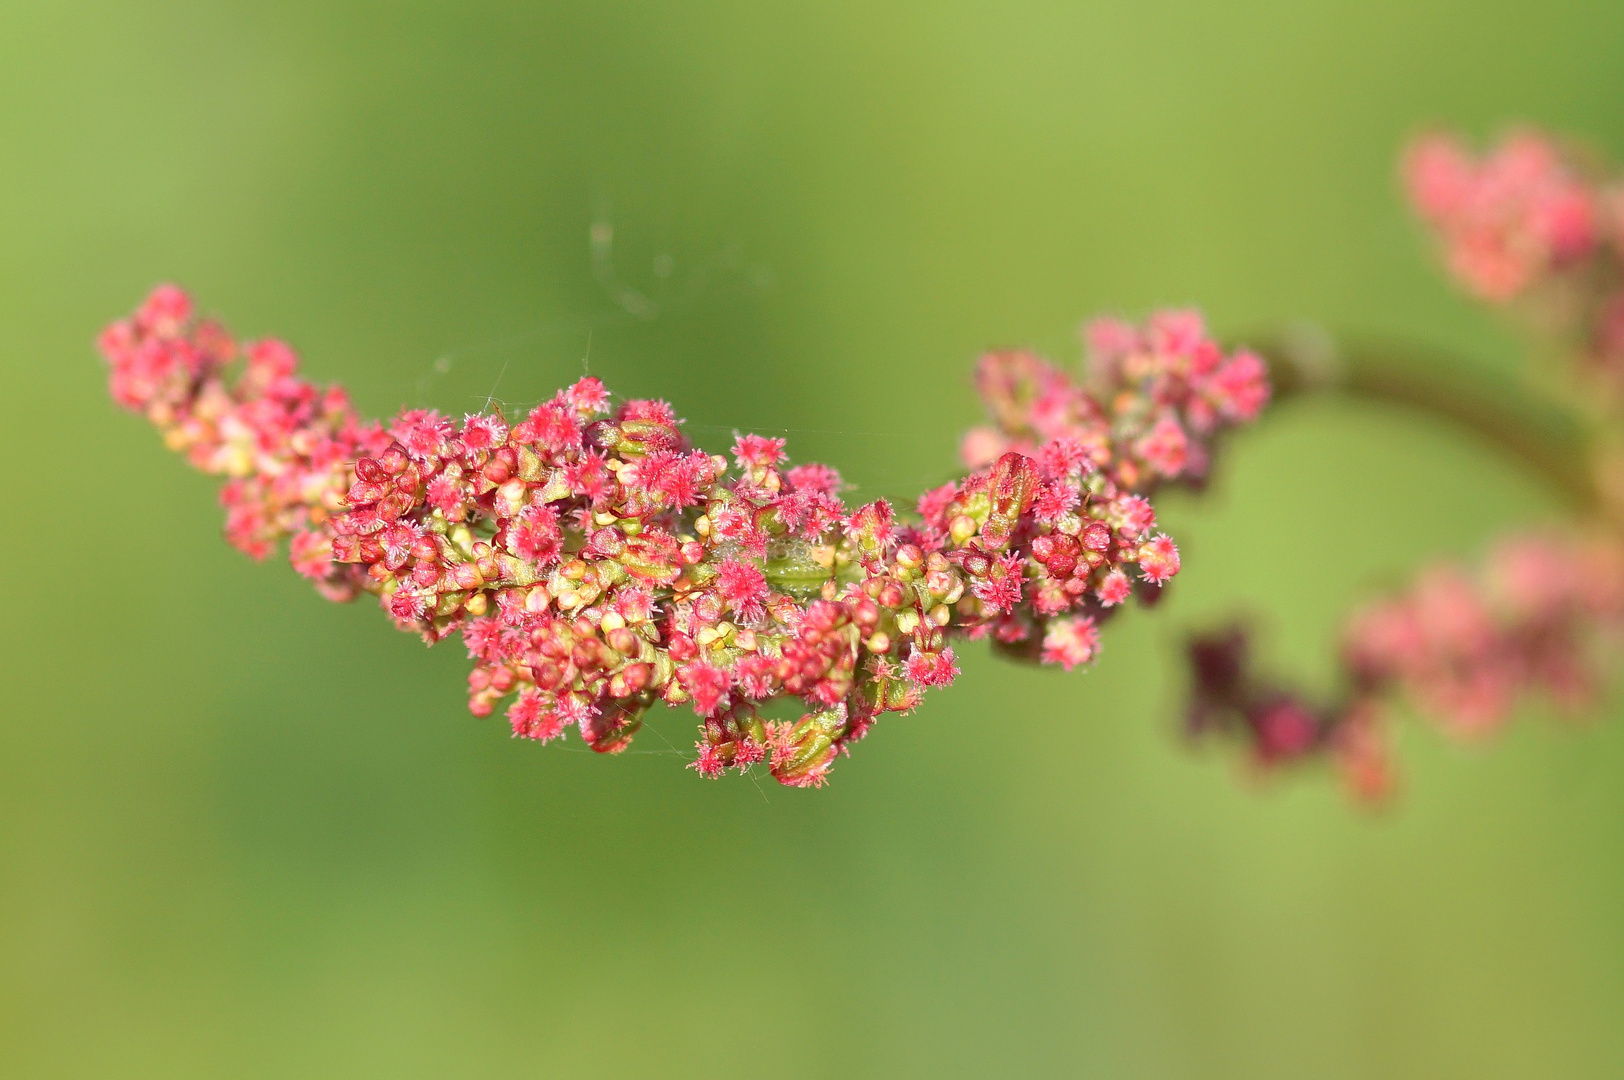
(595, 562)
(1466, 648)
(1530, 220)
(1152, 400)
(1543, 616)
(1508, 218)
(286, 446)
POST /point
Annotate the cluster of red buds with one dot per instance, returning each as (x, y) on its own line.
(595, 562)
(1146, 411)
(1534, 222)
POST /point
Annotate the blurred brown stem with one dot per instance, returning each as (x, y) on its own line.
(1533, 430)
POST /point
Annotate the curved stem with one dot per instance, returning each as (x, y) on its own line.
(1531, 429)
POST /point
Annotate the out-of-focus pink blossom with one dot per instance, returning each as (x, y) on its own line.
(1541, 617)
(1506, 218)
(1154, 400)
(1466, 648)
(1071, 642)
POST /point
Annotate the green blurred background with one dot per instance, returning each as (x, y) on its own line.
(247, 833)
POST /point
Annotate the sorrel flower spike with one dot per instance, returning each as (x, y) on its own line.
(596, 563)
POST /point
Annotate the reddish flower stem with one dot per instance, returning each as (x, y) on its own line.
(1521, 423)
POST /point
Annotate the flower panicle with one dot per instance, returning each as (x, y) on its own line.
(596, 563)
